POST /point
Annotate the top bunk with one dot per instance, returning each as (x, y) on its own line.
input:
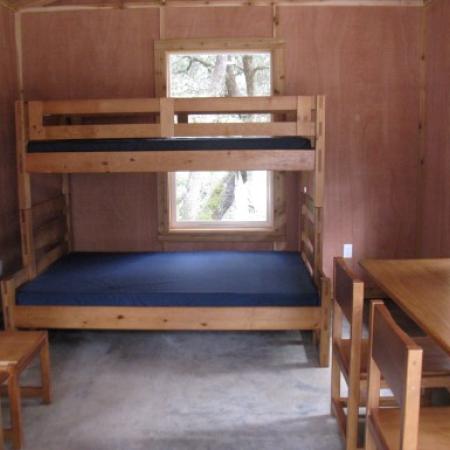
(164, 135)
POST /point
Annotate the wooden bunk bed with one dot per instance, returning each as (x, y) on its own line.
(143, 135)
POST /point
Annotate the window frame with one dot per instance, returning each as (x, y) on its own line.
(277, 231)
(163, 47)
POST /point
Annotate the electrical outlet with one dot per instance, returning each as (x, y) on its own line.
(348, 250)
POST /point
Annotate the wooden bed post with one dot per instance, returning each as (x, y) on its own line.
(311, 217)
(319, 185)
(319, 188)
(319, 171)
(8, 291)
(24, 189)
(67, 210)
(167, 121)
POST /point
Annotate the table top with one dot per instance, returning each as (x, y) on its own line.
(421, 287)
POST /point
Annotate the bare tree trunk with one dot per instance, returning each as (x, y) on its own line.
(249, 73)
(231, 83)
(189, 203)
(218, 75)
(226, 196)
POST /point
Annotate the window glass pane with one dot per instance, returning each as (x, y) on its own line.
(222, 196)
(220, 75)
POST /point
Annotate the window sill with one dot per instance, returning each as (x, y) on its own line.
(230, 234)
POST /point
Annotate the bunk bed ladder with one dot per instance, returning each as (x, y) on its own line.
(45, 226)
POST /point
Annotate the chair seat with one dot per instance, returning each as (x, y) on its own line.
(17, 347)
(434, 427)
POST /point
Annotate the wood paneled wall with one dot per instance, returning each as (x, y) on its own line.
(9, 216)
(435, 226)
(366, 63)
(366, 60)
(98, 54)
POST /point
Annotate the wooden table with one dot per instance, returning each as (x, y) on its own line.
(421, 287)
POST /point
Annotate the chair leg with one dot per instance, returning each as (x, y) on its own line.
(44, 356)
(369, 441)
(1, 431)
(335, 382)
(352, 424)
(15, 408)
(315, 337)
(324, 346)
(324, 330)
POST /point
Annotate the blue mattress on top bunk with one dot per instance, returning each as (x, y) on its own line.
(204, 279)
(171, 144)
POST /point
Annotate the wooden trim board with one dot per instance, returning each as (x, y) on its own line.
(28, 6)
(168, 318)
(164, 161)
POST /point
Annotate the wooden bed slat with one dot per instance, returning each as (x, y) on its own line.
(181, 105)
(236, 105)
(50, 257)
(307, 263)
(106, 131)
(48, 209)
(50, 233)
(307, 241)
(308, 201)
(173, 318)
(106, 106)
(308, 214)
(243, 129)
(309, 255)
(168, 161)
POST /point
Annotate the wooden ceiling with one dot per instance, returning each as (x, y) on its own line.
(19, 5)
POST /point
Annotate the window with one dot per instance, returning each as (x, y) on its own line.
(200, 200)
(220, 200)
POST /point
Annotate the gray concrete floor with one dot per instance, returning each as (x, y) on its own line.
(171, 391)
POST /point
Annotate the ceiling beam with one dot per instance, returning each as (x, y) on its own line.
(47, 5)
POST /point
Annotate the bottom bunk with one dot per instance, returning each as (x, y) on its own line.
(175, 291)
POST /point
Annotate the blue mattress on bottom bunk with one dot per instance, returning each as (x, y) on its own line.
(205, 279)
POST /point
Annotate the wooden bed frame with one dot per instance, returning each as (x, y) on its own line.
(46, 226)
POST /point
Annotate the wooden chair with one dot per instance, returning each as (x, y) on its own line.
(17, 350)
(350, 355)
(398, 358)
(3, 379)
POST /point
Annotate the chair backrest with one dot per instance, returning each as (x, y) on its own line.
(398, 359)
(349, 296)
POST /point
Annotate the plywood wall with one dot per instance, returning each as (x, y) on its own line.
(98, 54)
(435, 236)
(9, 223)
(366, 60)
